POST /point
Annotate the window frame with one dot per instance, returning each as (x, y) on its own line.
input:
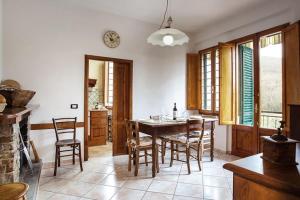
(107, 84)
(212, 51)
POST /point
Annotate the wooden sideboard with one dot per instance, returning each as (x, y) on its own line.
(98, 127)
(254, 178)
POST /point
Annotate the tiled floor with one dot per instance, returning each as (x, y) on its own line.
(106, 177)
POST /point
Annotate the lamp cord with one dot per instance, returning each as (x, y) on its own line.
(165, 14)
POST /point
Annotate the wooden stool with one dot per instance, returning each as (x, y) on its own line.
(13, 191)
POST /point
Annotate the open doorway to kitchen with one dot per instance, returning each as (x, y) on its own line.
(107, 103)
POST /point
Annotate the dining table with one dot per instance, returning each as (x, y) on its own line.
(167, 127)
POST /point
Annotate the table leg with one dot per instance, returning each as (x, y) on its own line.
(212, 141)
(154, 155)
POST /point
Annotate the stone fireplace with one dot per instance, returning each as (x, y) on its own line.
(13, 120)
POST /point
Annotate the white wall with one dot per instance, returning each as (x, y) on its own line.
(265, 16)
(1, 39)
(44, 46)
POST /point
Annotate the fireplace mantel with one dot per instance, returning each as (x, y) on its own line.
(16, 114)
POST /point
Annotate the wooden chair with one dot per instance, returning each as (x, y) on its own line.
(137, 144)
(191, 140)
(66, 126)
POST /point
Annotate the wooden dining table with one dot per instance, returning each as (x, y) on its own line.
(158, 128)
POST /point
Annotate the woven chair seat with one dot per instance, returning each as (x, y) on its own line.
(183, 140)
(67, 142)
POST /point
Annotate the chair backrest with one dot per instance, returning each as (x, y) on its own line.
(132, 131)
(64, 126)
(195, 125)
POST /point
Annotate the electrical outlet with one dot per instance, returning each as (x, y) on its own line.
(74, 106)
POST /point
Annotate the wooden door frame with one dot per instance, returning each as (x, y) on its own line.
(86, 78)
(257, 131)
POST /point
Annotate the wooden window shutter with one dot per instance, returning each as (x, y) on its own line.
(193, 81)
(227, 84)
(246, 86)
(291, 68)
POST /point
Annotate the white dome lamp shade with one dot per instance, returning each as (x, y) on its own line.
(168, 36)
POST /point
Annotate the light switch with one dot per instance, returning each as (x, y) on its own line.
(74, 106)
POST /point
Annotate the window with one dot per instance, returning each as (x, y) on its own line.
(109, 84)
(210, 81)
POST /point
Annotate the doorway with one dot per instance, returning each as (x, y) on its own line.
(107, 103)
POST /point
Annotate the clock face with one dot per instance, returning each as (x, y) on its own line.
(111, 39)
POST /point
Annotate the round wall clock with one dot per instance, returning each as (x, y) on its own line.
(111, 39)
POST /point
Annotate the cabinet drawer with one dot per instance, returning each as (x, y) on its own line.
(98, 122)
(101, 114)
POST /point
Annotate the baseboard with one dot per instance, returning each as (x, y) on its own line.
(222, 151)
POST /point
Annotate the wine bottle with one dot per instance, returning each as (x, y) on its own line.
(174, 112)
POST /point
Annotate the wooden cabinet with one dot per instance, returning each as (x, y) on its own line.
(291, 62)
(193, 81)
(255, 178)
(98, 128)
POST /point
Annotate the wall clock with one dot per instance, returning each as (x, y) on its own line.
(111, 39)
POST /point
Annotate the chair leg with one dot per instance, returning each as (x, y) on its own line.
(172, 153)
(188, 159)
(133, 156)
(73, 157)
(157, 162)
(146, 159)
(129, 159)
(198, 155)
(58, 156)
(177, 152)
(80, 160)
(137, 162)
(162, 151)
(55, 163)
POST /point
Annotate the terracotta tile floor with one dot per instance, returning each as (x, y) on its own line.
(106, 177)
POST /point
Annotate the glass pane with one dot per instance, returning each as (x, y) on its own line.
(110, 83)
(245, 84)
(270, 60)
(208, 68)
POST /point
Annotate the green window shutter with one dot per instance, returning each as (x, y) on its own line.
(246, 86)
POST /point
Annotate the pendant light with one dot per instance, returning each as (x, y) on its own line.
(167, 36)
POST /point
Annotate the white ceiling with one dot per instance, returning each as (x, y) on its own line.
(188, 15)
